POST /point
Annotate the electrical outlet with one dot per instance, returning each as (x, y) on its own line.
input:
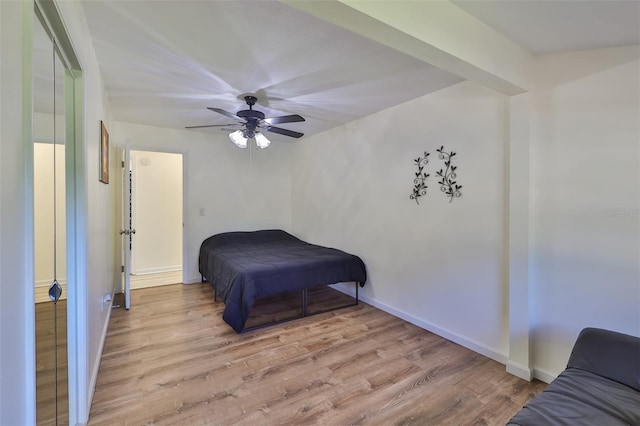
(106, 299)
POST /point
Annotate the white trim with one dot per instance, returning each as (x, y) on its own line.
(154, 280)
(28, 410)
(158, 270)
(48, 282)
(47, 141)
(193, 280)
(77, 207)
(544, 375)
(185, 216)
(96, 362)
(447, 334)
(133, 201)
(519, 370)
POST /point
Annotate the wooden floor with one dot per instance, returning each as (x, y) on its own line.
(172, 360)
(45, 371)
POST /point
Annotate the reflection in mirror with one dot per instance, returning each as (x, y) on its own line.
(49, 229)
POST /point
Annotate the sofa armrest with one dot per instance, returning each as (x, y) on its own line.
(609, 354)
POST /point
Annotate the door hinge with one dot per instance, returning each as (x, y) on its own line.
(122, 268)
(122, 163)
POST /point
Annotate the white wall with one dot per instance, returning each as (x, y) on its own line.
(17, 349)
(437, 264)
(237, 189)
(96, 224)
(586, 200)
(157, 212)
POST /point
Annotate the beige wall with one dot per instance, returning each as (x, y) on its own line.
(157, 212)
(43, 194)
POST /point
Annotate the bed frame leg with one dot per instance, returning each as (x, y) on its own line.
(357, 285)
(215, 293)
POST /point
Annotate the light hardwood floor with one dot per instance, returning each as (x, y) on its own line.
(172, 360)
(45, 371)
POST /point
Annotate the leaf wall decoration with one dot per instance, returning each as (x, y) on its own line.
(419, 185)
(447, 181)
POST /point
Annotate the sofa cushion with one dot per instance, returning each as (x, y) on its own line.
(578, 397)
(609, 354)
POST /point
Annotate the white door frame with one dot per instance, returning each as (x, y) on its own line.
(126, 223)
(76, 240)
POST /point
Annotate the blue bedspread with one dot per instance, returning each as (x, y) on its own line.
(245, 266)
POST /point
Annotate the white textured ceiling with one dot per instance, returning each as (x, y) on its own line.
(164, 62)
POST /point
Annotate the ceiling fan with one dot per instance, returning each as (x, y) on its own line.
(252, 123)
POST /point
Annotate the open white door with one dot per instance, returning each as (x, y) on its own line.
(126, 231)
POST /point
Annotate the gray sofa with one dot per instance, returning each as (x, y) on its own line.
(599, 387)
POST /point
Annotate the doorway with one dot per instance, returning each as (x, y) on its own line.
(156, 185)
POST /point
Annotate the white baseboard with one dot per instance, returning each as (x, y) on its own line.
(96, 362)
(154, 280)
(158, 270)
(449, 335)
(520, 370)
(47, 283)
(543, 375)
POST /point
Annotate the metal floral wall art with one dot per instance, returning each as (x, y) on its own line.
(447, 181)
(419, 185)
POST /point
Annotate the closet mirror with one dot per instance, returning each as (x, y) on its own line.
(52, 405)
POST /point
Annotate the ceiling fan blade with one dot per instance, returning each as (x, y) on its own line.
(212, 125)
(285, 132)
(228, 114)
(284, 119)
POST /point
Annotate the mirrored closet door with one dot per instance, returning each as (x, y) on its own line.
(52, 406)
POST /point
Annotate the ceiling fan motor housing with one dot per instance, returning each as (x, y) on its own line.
(250, 114)
(252, 117)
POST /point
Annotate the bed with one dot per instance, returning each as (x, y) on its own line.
(245, 266)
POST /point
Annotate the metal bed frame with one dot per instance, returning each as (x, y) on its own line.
(304, 302)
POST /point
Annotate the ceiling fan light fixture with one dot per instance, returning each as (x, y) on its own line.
(238, 138)
(253, 120)
(262, 141)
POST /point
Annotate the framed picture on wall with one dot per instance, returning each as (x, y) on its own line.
(104, 153)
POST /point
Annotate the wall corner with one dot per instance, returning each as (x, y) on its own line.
(518, 253)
